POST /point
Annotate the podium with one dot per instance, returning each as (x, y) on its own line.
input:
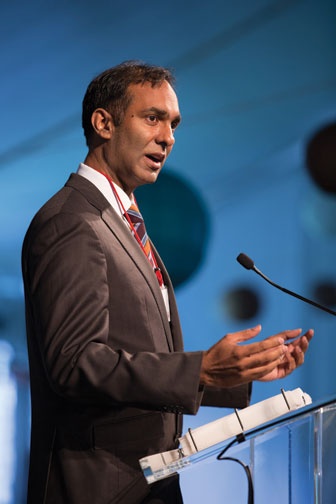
(292, 460)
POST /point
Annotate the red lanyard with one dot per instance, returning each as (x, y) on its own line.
(157, 270)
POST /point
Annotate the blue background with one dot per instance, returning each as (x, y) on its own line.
(255, 81)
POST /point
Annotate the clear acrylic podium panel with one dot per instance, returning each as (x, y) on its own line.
(292, 461)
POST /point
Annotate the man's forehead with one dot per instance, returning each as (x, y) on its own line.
(149, 85)
(148, 92)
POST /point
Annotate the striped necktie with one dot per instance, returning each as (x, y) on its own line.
(139, 228)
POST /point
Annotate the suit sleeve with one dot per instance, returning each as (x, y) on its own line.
(234, 397)
(68, 314)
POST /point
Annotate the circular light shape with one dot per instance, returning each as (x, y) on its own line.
(321, 158)
(241, 303)
(177, 222)
(325, 293)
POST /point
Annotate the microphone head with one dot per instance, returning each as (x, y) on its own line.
(245, 261)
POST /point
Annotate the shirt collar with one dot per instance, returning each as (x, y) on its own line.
(103, 185)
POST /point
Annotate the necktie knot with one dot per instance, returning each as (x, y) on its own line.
(135, 216)
(137, 225)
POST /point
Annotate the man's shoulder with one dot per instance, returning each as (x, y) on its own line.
(78, 203)
(76, 194)
(55, 203)
(65, 202)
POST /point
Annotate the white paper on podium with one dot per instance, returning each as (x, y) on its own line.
(164, 464)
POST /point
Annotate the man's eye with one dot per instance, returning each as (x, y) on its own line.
(152, 118)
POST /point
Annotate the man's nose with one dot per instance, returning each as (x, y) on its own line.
(165, 136)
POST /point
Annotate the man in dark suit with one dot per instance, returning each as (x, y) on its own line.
(109, 377)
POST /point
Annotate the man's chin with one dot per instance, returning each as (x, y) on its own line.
(150, 178)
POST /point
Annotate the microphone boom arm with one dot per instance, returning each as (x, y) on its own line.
(283, 289)
(245, 261)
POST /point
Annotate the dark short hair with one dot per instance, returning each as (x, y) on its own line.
(109, 90)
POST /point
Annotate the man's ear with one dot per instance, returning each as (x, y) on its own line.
(102, 123)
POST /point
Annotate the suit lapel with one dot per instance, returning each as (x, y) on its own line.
(127, 241)
(175, 326)
(131, 247)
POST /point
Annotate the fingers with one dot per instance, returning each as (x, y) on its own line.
(279, 338)
(309, 334)
(294, 333)
(248, 349)
(304, 340)
(299, 347)
(267, 353)
(293, 358)
(301, 344)
(256, 355)
(234, 360)
(244, 335)
(296, 345)
(228, 364)
(290, 334)
(264, 346)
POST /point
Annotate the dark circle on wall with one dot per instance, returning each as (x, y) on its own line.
(321, 158)
(178, 223)
(242, 303)
(324, 292)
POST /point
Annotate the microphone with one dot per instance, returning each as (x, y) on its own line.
(247, 262)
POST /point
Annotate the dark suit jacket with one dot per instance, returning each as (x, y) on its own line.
(109, 378)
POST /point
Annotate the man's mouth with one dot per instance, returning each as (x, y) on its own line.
(156, 159)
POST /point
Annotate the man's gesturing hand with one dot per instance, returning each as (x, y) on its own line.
(229, 363)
